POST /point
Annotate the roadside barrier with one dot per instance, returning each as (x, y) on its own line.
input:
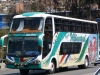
(2, 63)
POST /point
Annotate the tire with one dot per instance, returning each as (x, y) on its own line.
(63, 69)
(85, 65)
(24, 71)
(80, 66)
(95, 64)
(52, 68)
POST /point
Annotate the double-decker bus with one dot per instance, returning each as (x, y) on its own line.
(41, 41)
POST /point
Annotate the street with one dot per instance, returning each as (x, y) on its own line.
(70, 71)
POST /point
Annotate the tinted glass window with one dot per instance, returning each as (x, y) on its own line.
(70, 47)
(19, 24)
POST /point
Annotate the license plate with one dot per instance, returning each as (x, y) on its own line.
(20, 66)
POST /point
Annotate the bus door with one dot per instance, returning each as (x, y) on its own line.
(48, 35)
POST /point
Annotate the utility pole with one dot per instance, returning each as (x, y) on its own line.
(90, 9)
(50, 5)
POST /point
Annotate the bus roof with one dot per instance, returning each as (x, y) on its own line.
(43, 14)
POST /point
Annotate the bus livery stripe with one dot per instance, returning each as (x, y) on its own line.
(67, 58)
(10, 58)
(33, 59)
(83, 51)
(62, 59)
(61, 35)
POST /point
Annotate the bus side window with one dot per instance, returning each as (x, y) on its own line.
(48, 27)
(57, 24)
(63, 24)
(70, 48)
(48, 24)
(76, 47)
(79, 27)
(85, 28)
(58, 28)
(92, 30)
(72, 26)
(89, 28)
(95, 28)
(66, 27)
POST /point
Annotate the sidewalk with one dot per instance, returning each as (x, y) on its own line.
(4, 69)
(89, 73)
(7, 71)
(2, 65)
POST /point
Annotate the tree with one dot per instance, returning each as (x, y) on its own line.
(33, 6)
(98, 2)
(74, 9)
(11, 14)
(41, 6)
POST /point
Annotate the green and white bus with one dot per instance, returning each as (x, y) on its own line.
(41, 41)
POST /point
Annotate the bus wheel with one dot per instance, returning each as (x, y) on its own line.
(63, 69)
(52, 68)
(85, 65)
(95, 64)
(24, 71)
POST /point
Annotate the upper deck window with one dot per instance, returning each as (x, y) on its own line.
(33, 23)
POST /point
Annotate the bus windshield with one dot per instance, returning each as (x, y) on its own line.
(23, 46)
(30, 23)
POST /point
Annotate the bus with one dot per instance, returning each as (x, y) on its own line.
(42, 41)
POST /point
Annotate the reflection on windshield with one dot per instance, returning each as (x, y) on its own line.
(27, 46)
(27, 23)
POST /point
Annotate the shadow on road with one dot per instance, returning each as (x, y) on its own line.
(44, 73)
(70, 69)
(12, 74)
(30, 73)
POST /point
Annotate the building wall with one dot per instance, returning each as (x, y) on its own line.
(3, 24)
(19, 7)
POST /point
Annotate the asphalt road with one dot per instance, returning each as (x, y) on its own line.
(70, 71)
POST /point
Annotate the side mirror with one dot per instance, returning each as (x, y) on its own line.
(2, 40)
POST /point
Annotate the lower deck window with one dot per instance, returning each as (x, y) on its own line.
(70, 47)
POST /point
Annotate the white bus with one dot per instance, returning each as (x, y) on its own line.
(43, 41)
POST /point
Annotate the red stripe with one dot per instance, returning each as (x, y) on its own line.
(62, 58)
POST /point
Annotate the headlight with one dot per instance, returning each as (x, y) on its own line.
(35, 62)
(9, 62)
